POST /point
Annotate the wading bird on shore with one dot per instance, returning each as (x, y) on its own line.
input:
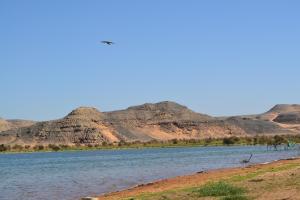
(107, 42)
(247, 161)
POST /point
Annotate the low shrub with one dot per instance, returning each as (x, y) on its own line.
(17, 147)
(64, 146)
(104, 143)
(230, 140)
(207, 141)
(174, 141)
(238, 197)
(53, 147)
(38, 147)
(220, 189)
(27, 147)
(122, 143)
(3, 148)
(89, 145)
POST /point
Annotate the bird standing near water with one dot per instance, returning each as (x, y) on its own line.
(247, 161)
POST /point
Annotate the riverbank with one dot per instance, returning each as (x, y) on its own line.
(276, 180)
(274, 141)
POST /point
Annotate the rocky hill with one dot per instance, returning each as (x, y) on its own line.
(4, 125)
(160, 112)
(288, 118)
(160, 121)
(285, 108)
(13, 124)
(280, 109)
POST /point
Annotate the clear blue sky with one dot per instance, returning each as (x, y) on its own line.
(216, 57)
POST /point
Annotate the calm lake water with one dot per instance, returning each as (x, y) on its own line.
(71, 175)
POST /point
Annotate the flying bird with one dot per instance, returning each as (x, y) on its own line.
(107, 42)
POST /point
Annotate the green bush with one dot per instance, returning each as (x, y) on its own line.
(278, 140)
(53, 147)
(238, 197)
(18, 147)
(3, 148)
(122, 143)
(263, 140)
(104, 143)
(38, 147)
(208, 140)
(220, 189)
(230, 140)
(174, 141)
(89, 145)
(27, 147)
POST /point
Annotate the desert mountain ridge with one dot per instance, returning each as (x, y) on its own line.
(13, 124)
(151, 121)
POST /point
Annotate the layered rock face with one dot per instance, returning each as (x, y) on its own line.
(82, 126)
(160, 112)
(286, 114)
(280, 109)
(14, 124)
(288, 118)
(160, 121)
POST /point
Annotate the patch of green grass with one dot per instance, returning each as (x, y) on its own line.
(236, 197)
(219, 189)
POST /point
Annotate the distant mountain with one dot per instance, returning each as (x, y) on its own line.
(285, 108)
(4, 125)
(160, 121)
(159, 112)
(13, 124)
(280, 109)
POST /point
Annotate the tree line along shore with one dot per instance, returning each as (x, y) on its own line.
(274, 142)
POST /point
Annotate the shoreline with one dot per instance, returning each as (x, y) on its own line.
(124, 148)
(117, 148)
(129, 148)
(273, 141)
(198, 179)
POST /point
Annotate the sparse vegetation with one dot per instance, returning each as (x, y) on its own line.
(54, 147)
(27, 147)
(220, 189)
(3, 148)
(238, 197)
(38, 148)
(17, 147)
(273, 141)
(257, 182)
(231, 140)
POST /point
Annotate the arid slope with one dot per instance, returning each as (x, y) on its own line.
(160, 121)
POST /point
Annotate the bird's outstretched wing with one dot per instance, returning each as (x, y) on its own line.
(107, 42)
